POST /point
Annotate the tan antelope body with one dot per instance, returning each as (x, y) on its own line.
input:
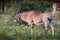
(33, 17)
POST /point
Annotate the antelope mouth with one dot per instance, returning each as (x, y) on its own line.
(14, 20)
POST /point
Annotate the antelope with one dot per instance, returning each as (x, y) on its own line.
(56, 7)
(33, 17)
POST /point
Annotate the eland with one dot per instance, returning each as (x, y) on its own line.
(34, 17)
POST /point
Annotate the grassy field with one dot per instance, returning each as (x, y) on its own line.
(9, 31)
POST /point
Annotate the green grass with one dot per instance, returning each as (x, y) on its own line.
(9, 31)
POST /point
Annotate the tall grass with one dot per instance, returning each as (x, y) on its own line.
(57, 16)
(9, 31)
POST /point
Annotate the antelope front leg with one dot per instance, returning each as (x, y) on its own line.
(52, 27)
(30, 27)
(46, 26)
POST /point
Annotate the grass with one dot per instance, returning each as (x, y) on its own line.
(9, 31)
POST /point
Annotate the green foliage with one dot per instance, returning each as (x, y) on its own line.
(27, 6)
(2, 35)
(9, 31)
(57, 16)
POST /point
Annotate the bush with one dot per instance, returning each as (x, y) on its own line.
(27, 6)
(3, 35)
